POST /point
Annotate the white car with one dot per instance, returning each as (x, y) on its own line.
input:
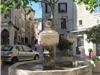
(18, 53)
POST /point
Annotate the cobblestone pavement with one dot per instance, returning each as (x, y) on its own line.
(96, 74)
(4, 68)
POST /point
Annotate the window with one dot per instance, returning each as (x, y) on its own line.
(7, 48)
(62, 7)
(61, 35)
(6, 15)
(63, 23)
(47, 8)
(80, 41)
(27, 49)
(19, 48)
(80, 22)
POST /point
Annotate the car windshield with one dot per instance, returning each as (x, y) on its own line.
(7, 48)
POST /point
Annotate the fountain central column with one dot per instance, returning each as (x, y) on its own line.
(49, 39)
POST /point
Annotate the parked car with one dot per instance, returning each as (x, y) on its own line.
(18, 53)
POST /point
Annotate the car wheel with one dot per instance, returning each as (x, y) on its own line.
(36, 57)
(14, 60)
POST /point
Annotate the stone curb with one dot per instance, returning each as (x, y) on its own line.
(71, 71)
(12, 69)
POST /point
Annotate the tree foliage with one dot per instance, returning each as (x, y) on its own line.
(93, 34)
(6, 6)
(64, 44)
(90, 4)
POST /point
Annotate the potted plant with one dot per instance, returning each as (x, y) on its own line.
(96, 60)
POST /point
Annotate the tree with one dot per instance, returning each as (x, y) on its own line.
(64, 45)
(6, 6)
(93, 34)
(90, 4)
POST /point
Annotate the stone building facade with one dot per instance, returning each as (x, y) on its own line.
(71, 21)
(15, 27)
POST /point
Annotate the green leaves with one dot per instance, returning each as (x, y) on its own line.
(90, 4)
(6, 6)
(93, 34)
(95, 58)
(64, 44)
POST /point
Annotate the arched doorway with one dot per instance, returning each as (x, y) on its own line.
(5, 37)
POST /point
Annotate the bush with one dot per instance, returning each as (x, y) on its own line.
(64, 44)
(95, 58)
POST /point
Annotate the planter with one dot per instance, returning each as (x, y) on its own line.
(97, 66)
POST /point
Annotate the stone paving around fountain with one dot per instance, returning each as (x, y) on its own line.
(96, 73)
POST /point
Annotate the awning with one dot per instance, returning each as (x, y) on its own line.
(77, 31)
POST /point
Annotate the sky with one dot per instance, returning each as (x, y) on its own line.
(97, 10)
(38, 10)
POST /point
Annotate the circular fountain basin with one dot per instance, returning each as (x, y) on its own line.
(30, 68)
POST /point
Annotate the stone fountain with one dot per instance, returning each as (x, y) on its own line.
(49, 38)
